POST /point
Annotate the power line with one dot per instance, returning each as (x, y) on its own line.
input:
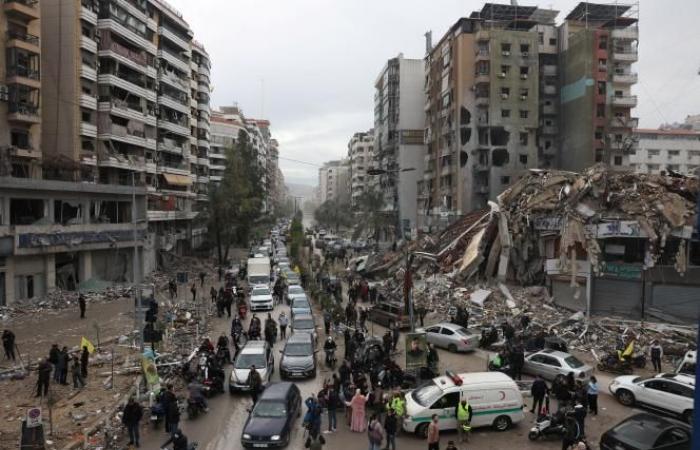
(299, 161)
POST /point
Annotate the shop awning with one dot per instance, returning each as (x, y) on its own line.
(177, 180)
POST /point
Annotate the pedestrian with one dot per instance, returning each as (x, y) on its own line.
(78, 380)
(434, 433)
(8, 343)
(131, 419)
(172, 287)
(422, 311)
(42, 384)
(592, 392)
(254, 383)
(463, 414)
(332, 402)
(517, 362)
(656, 353)
(228, 302)
(391, 426)
(313, 415)
(84, 357)
(53, 354)
(168, 398)
(81, 304)
(433, 359)
(395, 335)
(55, 360)
(363, 319)
(283, 321)
(62, 366)
(375, 434)
(201, 278)
(172, 414)
(193, 290)
(386, 342)
(358, 422)
(580, 416)
(327, 317)
(212, 294)
(538, 390)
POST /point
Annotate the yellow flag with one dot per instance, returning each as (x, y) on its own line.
(85, 343)
(629, 350)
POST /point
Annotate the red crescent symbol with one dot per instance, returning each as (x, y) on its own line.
(503, 395)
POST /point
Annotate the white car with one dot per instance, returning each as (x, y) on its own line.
(453, 337)
(551, 363)
(253, 353)
(668, 392)
(261, 298)
(295, 291)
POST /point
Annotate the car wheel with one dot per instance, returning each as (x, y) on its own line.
(501, 423)
(688, 417)
(452, 348)
(422, 431)
(625, 397)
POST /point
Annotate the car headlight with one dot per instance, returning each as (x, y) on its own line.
(246, 436)
(275, 437)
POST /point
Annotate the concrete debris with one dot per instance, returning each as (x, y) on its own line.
(479, 296)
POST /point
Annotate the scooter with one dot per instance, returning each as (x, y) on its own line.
(612, 363)
(194, 408)
(330, 358)
(551, 425)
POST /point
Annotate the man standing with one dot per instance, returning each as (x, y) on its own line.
(131, 418)
(434, 434)
(391, 425)
(84, 357)
(463, 412)
(283, 321)
(201, 278)
(656, 353)
(168, 398)
(395, 335)
(81, 304)
(538, 390)
(42, 385)
(332, 401)
(78, 381)
(8, 343)
(254, 382)
(518, 361)
(327, 321)
(62, 366)
(193, 290)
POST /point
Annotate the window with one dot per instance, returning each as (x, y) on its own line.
(505, 181)
(85, 115)
(673, 436)
(550, 361)
(618, 138)
(601, 87)
(433, 330)
(672, 153)
(603, 43)
(602, 65)
(524, 70)
(20, 138)
(524, 49)
(523, 138)
(540, 37)
(553, 41)
(447, 332)
(653, 167)
(505, 113)
(523, 94)
(505, 48)
(600, 110)
(618, 160)
(653, 152)
(599, 134)
(447, 401)
(523, 114)
(523, 159)
(505, 92)
(505, 70)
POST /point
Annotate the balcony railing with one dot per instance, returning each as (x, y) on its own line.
(137, 57)
(25, 72)
(22, 108)
(22, 36)
(625, 100)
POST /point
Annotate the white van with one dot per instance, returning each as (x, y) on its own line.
(494, 397)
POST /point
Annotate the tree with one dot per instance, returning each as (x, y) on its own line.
(370, 204)
(332, 214)
(237, 202)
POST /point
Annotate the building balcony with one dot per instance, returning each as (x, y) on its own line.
(88, 129)
(549, 90)
(175, 39)
(25, 10)
(203, 106)
(202, 161)
(203, 179)
(121, 134)
(159, 216)
(173, 103)
(136, 39)
(88, 102)
(23, 76)
(193, 140)
(204, 70)
(124, 162)
(215, 178)
(25, 41)
(182, 169)
(629, 33)
(171, 146)
(128, 86)
(174, 61)
(203, 143)
(123, 111)
(216, 166)
(549, 70)
(482, 78)
(22, 112)
(88, 15)
(88, 72)
(481, 189)
(136, 60)
(203, 86)
(202, 197)
(550, 129)
(549, 110)
(482, 55)
(192, 158)
(150, 166)
(204, 125)
(629, 101)
(482, 101)
(626, 56)
(179, 129)
(88, 44)
(624, 78)
(446, 170)
(171, 79)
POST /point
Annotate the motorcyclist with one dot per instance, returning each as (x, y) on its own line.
(236, 329)
(329, 347)
(196, 396)
(178, 439)
(222, 348)
(206, 346)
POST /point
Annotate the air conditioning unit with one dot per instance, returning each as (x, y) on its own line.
(505, 53)
(523, 97)
(526, 54)
(523, 76)
(504, 96)
(502, 75)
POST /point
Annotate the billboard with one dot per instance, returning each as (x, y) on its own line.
(416, 351)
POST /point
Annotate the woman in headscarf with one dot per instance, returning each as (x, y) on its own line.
(358, 422)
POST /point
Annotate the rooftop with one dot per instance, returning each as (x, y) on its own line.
(598, 12)
(671, 132)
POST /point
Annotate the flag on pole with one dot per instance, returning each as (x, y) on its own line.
(85, 343)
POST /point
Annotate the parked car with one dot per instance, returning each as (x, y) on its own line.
(453, 337)
(253, 353)
(667, 392)
(295, 291)
(271, 420)
(550, 363)
(387, 312)
(304, 323)
(687, 364)
(646, 431)
(298, 357)
(300, 305)
(261, 298)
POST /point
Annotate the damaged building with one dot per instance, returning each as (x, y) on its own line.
(61, 235)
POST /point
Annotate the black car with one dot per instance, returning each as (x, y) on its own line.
(647, 431)
(271, 420)
(298, 357)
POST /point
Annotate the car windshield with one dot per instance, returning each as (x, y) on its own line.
(296, 290)
(261, 291)
(259, 279)
(303, 324)
(270, 409)
(245, 360)
(573, 362)
(427, 394)
(297, 349)
(636, 433)
(300, 303)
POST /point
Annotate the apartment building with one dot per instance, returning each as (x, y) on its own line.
(226, 124)
(360, 154)
(598, 47)
(676, 150)
(399, 119)
(334, 181)
(20, 89)
(482, 110)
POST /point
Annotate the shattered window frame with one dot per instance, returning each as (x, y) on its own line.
(635, 250)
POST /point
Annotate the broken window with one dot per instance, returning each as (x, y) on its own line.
(24, 287)
(464, 116)
(505, 181)
(694, 253)
(618, 160)
(598, 133)
(668, 253)
(499, 136)
(110, 212)
(547, 144)
(601, 87)
(602, 65)
(523, 94)
(600, 110)
(505, 113)
(67, 212)
(26, 211)
(505, 48)
(463, 158)
(20, 138)
(624, 250)
(523, 159)
(523, 138)
(524, 48)
(553, 41)
(505, 70)
(500, 157)
(464, 135)
(524, 70)
(603, 43)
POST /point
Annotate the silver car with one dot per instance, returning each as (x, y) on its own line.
(253, 353)
(295, 291)
(550, 363)
(453, 337)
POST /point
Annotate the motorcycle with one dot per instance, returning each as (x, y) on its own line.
(612, 363)
(330, 358)
(194, 408)
(551, 425)
(212, 386)
(488, 336)
(223, 356)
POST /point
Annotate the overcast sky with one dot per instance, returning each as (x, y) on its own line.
(309, 65)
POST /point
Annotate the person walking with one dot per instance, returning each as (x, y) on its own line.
(358, 422)
(133, 412)
(254, 382)
(283, 322)
(172, 415)
(8, 343)
(375, 434)
(78, 380)
(538, 390)
(580, 416)
(168, 398)
(434, 433)
(656, 353)
(395, 335)
(433, 360)
(201, 278)
(62, 366)
(84, 358)
(42, 384)
(463, 413)
(592, 391)
(327, 318)
(193, 290)
(213, 294)
(332, 402)
(82, 304)
(391, 426)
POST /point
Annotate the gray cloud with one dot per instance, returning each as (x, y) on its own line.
(319, 60)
